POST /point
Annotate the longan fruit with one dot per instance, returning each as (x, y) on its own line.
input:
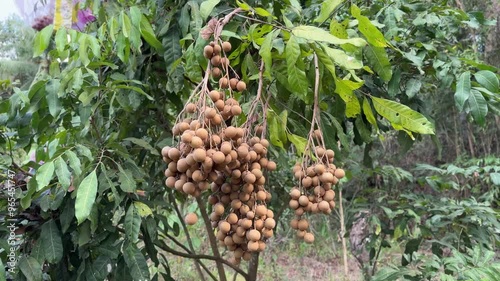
(218, 157)
(190, 108)
(271, 166)
(174, 154)
(303, 200)
(269, 223)
(224, 226)
(199, 154)
(224, 62)
(301, 233)
(226, 46)
(208, 51)
(253, 246)
(319, 169)
(241, 86)
(218, 209)
(329, 195)
(170, 182)
(215, 60)
(230, 132)
(258, 224)
(191, 218)
(214, 96)
(303, 224)
(294, 223)
(196, 142)
(233, 82)
(236, 110)
(339, 173)
(216, 72)
(309, 237)
(260, 210)
(224, 83)
(293, 204)
(249, 178)
(324, 206)
(253, 235)
(217, 49)
(327, 177)
(189, 188)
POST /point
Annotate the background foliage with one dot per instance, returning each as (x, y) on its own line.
(407, 103)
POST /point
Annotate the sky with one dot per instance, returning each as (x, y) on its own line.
(7, 8)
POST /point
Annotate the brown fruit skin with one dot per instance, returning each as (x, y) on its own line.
(241, 86)
(217, 48)
(215, 60)
(191, 219)
(216, 72)
(339, 173)
(309, 237)
(233, 82)
(224, 83)
(226, 46)
(208, 51)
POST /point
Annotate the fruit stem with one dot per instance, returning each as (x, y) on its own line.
(188, 237)
(212, 239)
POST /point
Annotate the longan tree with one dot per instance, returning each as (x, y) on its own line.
(158, 104)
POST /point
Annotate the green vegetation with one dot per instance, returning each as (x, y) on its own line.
(397, 94)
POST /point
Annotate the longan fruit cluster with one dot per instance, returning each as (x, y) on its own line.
(314, 193)
(239, 201)
(216, 53)
(227, 161)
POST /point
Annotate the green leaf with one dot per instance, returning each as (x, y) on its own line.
(488, 79)
(132, 223)
(413, 87)
(82, 50)
(327, 8)
(127, 181)
(42, 40)
(345, 89)
(367, 110)
(143, 209)
(74, 162)
(462, 92)
(299, 142)
(136, 263)
(126, 25)
(495, 178)
(313, 33)
(378, 59)
(372, 34)
(85, 197)
(262, 12)
(342, 59)
(30, 268)
(478, 106)
(51, 242)
(207, 7)
(44, 175)
(298, 82)
(61, 39)
(52, 88)
(143, 144)
(62, 172)
(265, 51)
(148, 34)
(402, 116)
(387, 274)
(275, 129)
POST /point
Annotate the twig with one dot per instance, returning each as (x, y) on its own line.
(212, 239)
(377, 255)
(342, 233)
(188, 237)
